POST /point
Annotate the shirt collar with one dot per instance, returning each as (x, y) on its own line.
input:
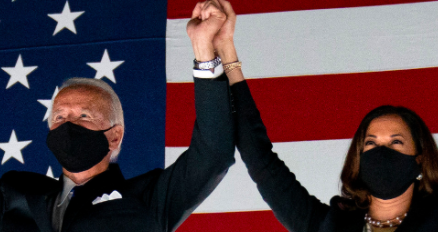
(68, 185)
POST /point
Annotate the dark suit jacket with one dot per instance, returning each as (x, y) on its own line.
(159, 200)
(293, 206)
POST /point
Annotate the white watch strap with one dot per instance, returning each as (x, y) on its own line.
(207, 73)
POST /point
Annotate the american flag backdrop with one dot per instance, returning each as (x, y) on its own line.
(315, 69)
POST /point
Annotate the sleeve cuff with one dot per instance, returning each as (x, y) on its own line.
(218, 70)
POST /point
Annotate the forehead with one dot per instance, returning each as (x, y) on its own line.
(89, 97)
(388, 123)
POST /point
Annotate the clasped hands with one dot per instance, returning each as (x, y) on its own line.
(211, 29)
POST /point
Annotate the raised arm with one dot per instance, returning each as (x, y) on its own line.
(291, 203)
(181, 187)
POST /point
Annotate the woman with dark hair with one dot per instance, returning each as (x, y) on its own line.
(389, 179)
(390, 175)
(425, 152)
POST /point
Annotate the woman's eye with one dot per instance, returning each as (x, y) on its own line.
(397, 142)
(369, 143)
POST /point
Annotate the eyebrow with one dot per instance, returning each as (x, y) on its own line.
(86, 110)
(392, 136)
(57, 111)
(395, 135)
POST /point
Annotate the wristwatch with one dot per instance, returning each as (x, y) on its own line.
(208, 64)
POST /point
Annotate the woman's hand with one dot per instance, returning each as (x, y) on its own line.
(223, 42)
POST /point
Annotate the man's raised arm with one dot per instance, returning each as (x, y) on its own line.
(186, 183)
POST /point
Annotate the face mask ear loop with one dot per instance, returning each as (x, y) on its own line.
(108, 129)
(420, 176)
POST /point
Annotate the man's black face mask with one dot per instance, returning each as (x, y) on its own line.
(386, 172)
(77, 148)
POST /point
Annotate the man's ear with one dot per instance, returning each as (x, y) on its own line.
(115, 136)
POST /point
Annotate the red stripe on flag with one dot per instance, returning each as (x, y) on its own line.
(183, 8)
(317, 107)
(180, 113)
(254, 221)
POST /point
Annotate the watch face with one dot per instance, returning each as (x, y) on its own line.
(208, 64)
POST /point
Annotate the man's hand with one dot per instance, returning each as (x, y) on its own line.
(207, 19)
(212, 28)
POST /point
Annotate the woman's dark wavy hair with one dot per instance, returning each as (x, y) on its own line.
(426, 148)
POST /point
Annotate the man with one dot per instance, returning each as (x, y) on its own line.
(86, 131)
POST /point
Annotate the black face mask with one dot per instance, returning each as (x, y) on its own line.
(386, 172)
(77, 148)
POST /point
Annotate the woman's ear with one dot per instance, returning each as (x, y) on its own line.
(419, 158)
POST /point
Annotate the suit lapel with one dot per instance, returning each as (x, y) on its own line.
(421, 210)
(41, 205)
(106, 182)
(344, 221)
(76, 205)
(352, 221)
(340, 219)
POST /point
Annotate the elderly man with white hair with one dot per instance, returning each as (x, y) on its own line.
(86, 132)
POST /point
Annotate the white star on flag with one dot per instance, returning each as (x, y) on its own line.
(48, 104)
(50, 173)
(65, 19)
(13, 148)
(105, 67)
(18, 73)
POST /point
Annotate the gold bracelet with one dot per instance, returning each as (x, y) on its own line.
(232, 69)
(231, 66)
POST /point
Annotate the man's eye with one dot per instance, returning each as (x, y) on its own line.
(58, 117)
(84, 115)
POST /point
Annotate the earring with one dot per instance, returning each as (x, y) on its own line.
(419, 177)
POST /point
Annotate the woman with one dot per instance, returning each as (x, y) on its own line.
(389, 179)
(389, 176)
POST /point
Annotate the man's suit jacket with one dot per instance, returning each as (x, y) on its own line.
(159, 200)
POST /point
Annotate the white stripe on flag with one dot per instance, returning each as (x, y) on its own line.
(346, 40)
(316, 164)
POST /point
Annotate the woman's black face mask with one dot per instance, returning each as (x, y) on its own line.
(386, 172)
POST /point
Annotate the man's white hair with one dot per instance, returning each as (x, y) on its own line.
(116, 112)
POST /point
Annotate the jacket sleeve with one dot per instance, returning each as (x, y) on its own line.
(290, 202)
(185, 184)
